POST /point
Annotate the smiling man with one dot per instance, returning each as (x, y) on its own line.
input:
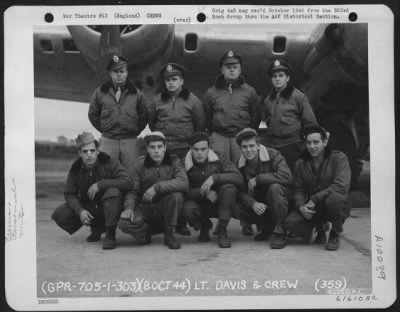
(287, 111)
(321, 186)
(159, 182)
(93, 193)
(264, 200)
(118, 111)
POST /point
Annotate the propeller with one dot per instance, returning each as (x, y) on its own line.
(110, 44)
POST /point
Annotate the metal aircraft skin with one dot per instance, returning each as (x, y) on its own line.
(329, 64)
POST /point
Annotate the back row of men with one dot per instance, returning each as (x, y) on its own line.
(190, 176)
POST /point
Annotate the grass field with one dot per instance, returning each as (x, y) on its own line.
(51, 174)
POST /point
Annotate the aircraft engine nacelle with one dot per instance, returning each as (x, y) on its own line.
(139, 43)
(341, 43)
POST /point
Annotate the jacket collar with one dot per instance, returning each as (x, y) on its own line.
(286, 93)
(128, 86)
(148, 162)
(220, 82)
(165, 95)
(262, 154)
(103, 158)
(212, 157)
(307, 157)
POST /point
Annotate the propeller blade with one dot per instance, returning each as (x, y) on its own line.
(110, 44)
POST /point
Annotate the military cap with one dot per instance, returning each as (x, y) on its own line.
(84, 139)
(245, 134)
(198, 137)
(116, 62)
(172, 69)
(230, 57)
(279, 65)
(154, 136)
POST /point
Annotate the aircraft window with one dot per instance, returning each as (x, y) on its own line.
(279, 44)
(69, 45)
(46, 45)
(191, 42)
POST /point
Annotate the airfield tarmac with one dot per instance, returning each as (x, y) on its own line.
(68, 266)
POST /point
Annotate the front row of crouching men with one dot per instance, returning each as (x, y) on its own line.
(258, 190)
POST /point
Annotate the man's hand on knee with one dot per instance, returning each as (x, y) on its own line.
(212, 196)
(92, 191)
(259, 208)
(149, 195)
(307, 212)
(128, 214)
(86, 217)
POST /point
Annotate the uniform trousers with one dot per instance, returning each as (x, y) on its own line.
(106, 213)
(292, 153)
(196, 212)
(124, 150)
(164, 211)
(225, 145)
(276, 198)
(335, 209)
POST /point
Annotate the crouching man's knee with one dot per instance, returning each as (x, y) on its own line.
(66, 218)
(296, 224)
(137, 228)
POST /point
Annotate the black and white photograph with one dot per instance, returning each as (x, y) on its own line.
(206, 157)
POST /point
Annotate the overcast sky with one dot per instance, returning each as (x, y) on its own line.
(54, 118)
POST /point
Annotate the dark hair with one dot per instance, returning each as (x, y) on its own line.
(96, 144)
(314, 129)
(249, 136)
(197, 137)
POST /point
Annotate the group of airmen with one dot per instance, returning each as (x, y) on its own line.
(204, 160)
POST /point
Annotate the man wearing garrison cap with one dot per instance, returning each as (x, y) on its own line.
(118, 111)
(177, 113)
(287, 111)
(231, 105)
(264, 200)
(214, 183)
(159, 182)
(93, 193)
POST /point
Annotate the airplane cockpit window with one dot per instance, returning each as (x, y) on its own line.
(279, 44)
(191, 42)
(69, 45)
(46, 45)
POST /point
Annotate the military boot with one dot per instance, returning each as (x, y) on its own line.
(321, 235)
(223, 240)
(333, 241)
(204, 235)
(95, 234)
(110, 241)
(170, 240)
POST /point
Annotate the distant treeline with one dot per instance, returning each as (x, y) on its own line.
(57, 150)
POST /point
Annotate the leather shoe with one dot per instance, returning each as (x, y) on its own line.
(93, 237)
(247, 230)
(278, 240)
(333, 241)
